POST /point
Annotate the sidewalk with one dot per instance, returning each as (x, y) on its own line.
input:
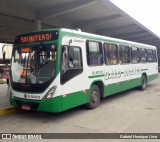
(5, 106)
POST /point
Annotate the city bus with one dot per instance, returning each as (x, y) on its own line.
(59, 69)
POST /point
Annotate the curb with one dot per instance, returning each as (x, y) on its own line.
(7, 110)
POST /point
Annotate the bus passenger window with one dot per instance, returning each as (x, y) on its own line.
(74, 55)
(71, 65)
(124, 54)
(94, 53)
(154, 55)
(64, 64)
(135, 55)
(111, 53)
(143, 55)
(71, 58)
(150, 55)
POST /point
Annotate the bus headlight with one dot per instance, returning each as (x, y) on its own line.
(50, 93)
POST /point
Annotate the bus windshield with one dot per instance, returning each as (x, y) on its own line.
(33, 64)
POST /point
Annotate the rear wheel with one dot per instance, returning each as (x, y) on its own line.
(94, 99)
(143, 82)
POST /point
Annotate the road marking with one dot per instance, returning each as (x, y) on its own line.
(7, 110)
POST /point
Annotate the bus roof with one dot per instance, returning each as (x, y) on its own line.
(109, 39)
(95, 37)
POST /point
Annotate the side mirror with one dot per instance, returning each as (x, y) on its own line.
(64, 48)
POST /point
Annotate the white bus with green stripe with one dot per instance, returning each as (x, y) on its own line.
(59, 69)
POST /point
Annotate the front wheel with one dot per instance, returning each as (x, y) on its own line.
(94, 99)
(143, 82)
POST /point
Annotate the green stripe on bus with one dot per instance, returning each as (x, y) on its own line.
(95, 76)
(152, 77)
(64, 102)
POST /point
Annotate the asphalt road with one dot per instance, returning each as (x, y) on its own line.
(131, 111)
(4, 99)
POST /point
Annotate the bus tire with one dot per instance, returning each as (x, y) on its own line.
(94, 98)
(143, 82)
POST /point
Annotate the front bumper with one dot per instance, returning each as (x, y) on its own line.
(51, 105)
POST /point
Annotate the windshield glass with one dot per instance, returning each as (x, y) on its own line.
(33, 64)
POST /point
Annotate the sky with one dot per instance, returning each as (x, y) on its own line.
(147, 12)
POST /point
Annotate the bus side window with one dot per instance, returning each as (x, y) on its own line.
(64, 63)
(94, 53)
(124, 54)
(111, 54)
(143, 55)
(154, 55)
(71, 65)
(135, 55)
(150, 55)
(74, 57)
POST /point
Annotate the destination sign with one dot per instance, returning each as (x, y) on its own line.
(37, 37)
(25, 50)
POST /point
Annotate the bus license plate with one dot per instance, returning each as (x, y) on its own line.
(25, 107)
